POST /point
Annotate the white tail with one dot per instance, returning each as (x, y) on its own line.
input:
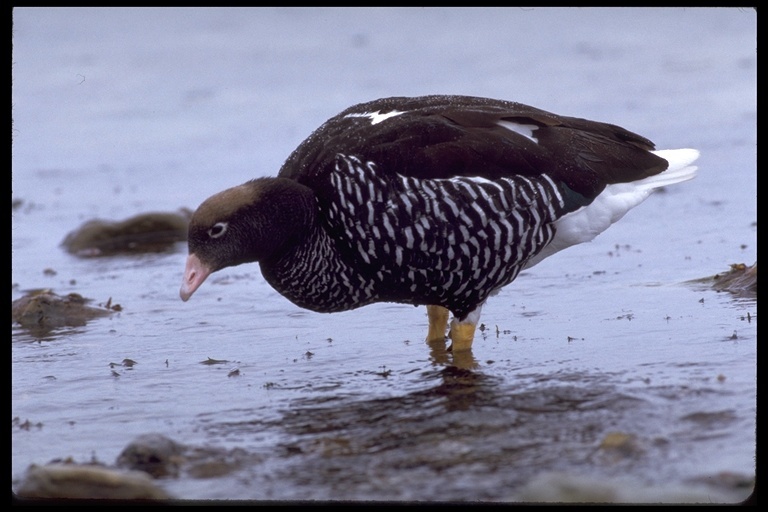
(679, 170)
(586, 223)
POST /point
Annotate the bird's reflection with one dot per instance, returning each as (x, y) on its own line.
(442, 355)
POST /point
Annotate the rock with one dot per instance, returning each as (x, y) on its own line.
(739, 280)
(154, 454)
(43, 310)
(71, 481)
(160, 457)
(146, 232)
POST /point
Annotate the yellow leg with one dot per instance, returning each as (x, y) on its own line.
(461, 336)
(438, 321)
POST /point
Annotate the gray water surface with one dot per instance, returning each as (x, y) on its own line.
(601, 369)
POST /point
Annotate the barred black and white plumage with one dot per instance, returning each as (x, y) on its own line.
(436, 200)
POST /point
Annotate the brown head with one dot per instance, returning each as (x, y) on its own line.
(252, 222)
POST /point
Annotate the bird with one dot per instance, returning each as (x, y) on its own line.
(436, 200)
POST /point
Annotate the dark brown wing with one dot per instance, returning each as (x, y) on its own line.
(450, 136)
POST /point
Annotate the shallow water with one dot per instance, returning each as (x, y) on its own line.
(144, 110)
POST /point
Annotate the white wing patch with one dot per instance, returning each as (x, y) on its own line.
(376, 117)
(526, 130)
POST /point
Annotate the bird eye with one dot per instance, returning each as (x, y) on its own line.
(218, 229)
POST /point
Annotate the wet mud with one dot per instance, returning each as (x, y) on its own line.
(469, 438)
